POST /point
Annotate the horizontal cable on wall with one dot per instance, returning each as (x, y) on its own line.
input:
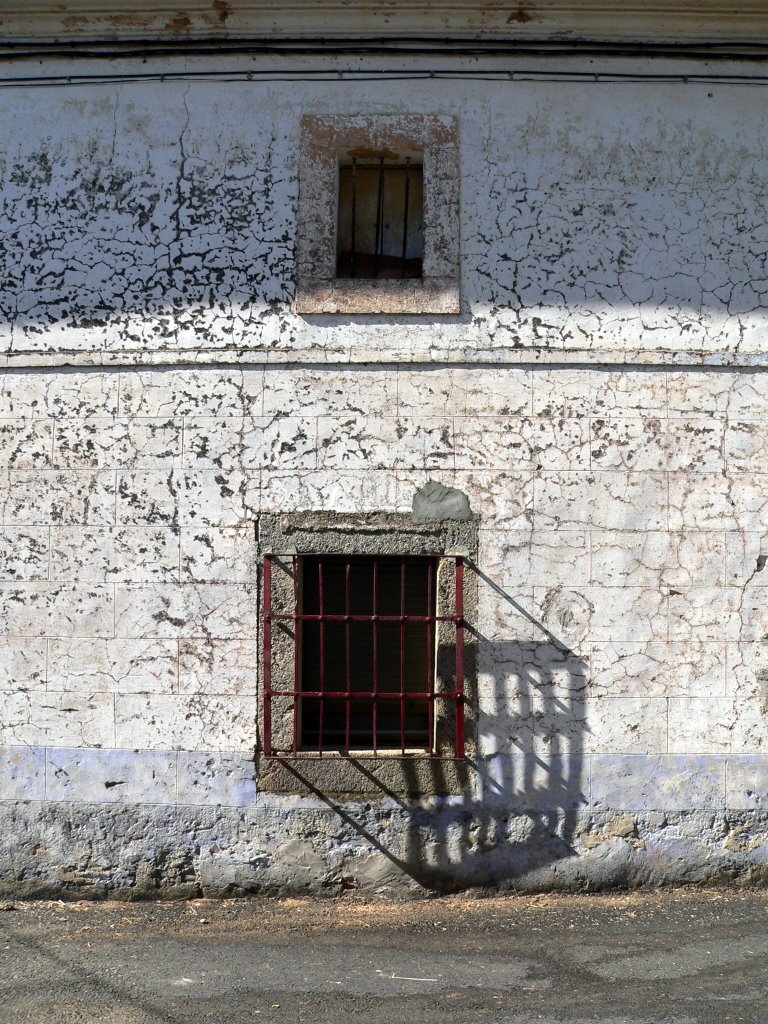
(353, 77)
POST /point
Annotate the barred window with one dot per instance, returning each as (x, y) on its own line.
(377, 228)
(380, 217)
(362, 655)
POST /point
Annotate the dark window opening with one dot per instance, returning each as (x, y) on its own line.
(372, 654)
(380, 232)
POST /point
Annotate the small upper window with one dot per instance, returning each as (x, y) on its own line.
(381, 208)
(378, 215)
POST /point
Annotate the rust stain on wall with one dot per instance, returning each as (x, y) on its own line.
(128, 20)
(520, 15)
(223, 9)
(75, 21)
(181, 23)
(370, 153)
(604, 19)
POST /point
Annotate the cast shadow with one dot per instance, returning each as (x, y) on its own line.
(511, 808)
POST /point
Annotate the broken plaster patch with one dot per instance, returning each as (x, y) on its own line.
(435, 502)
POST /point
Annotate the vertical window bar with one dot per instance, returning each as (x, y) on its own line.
(322, 654)
(296, 642)
(375, 654)
(353, 252)
(349, 659)
(405, 215)
(402, 655)
(430, 672)
(379, 226)
(459, 657)
(268, 656)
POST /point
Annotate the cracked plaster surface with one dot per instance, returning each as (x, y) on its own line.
(142, 579)
(624, 518)
(174, 232)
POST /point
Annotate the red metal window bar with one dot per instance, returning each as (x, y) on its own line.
(365, 647)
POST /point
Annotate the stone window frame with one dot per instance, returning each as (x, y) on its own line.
(323, 139)
(379, 533)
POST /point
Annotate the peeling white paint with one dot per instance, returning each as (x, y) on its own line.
(623, 509)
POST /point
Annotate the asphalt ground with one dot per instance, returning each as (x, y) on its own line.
(677, 957)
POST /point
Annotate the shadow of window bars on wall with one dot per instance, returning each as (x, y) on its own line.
(380, 231)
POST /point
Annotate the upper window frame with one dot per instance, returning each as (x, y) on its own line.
(318, 289)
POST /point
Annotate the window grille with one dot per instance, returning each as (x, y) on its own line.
(366, 636)
(380, 230)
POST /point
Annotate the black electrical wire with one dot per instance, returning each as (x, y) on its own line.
(326, 75)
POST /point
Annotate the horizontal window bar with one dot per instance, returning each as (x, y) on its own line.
(362, 618)
(359, 555)
(391, 695)
(387, 754)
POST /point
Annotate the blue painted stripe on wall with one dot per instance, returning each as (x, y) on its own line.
(22, 773)
(105, 775)
(668, 782)
(747, 782)
(111, 776)
(632, 782)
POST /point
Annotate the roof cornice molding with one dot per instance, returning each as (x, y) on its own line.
(683, 21)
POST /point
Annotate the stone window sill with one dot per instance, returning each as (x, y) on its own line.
(438, 296)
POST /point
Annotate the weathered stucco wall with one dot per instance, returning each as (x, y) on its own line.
(596, 217)
(623, 731)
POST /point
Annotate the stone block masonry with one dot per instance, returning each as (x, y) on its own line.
(621, 651)
(600, 401)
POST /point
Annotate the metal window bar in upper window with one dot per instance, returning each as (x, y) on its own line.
(361, 681)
